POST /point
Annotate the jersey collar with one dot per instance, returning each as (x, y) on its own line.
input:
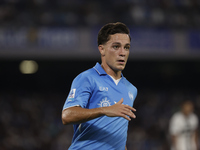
(100, 70)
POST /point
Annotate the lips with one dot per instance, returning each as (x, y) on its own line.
(121, 61)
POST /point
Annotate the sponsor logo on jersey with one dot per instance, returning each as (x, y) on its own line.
(130, 95)
(72, 93)
(101, 88)
(104, 103)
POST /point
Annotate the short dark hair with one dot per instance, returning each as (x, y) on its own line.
(110, 29)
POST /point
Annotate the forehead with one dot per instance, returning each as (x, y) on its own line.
(119, 38)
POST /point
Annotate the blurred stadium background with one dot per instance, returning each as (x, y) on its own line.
(44, 44)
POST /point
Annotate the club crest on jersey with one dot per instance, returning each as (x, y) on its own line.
(104, 103)
(130, 95)
(72, 93)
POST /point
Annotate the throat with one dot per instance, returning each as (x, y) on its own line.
(115, 80)
(116, 74)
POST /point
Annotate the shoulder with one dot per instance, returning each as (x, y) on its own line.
(129, 84)
(175, 119)
(194, 117)
(177, 115)
(86, 75)
(133, 92)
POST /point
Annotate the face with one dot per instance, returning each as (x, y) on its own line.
(115, 52)
(187, 108)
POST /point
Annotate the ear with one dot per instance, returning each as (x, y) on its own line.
(101, 50)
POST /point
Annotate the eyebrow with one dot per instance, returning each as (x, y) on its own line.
(120, 43)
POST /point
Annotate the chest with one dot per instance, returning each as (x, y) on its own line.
(186, 124)
(107, 93)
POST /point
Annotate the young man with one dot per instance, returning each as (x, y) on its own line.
(100, 102)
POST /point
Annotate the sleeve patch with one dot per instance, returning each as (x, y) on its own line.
(72, 93)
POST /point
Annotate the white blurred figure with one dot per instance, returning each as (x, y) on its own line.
(183, 128)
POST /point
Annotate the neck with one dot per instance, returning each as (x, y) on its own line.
(115, 74)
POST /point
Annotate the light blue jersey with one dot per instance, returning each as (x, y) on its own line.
(92, 89)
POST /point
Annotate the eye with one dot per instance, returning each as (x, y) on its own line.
(115, 46)
(127, 47)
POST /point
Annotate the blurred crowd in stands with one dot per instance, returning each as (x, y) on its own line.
(32, 121)
(78, 13)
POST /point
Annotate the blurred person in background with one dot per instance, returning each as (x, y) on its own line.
(183, 128)
(100, 101)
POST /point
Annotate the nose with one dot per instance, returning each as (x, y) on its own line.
(122, 52)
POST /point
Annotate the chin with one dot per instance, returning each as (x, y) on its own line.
(120, 68)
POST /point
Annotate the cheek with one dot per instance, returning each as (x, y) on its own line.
(127, 55)
(111, 54)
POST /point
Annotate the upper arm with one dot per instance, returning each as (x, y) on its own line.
(80, 92)
(174, 126)
(67, 114)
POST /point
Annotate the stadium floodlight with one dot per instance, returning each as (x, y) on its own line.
(28, 67)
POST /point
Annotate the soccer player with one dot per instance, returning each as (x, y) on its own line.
(183, 128)
(99, 104)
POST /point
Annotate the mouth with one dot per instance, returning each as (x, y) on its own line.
(121, 61)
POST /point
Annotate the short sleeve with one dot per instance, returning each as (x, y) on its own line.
(80, 92)
(175, 124)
